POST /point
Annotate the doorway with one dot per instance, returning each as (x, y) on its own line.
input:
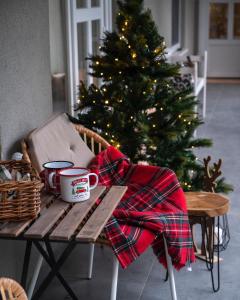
(219, 33)
(86, 20)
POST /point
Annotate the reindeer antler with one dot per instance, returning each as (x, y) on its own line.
(211, 174)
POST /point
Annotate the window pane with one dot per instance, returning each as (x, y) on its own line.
(95, 42)
(175, 22)
(218, 22)
(81, 3)
(236, 24)
(82, 50)
(95, 3)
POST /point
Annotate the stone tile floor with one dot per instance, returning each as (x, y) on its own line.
(144, 279)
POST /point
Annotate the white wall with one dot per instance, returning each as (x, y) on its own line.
(162, 16)
(189, 25)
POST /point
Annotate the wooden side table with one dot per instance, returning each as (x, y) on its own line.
(205, 208)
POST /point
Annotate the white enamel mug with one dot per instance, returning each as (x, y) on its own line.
(75, 184)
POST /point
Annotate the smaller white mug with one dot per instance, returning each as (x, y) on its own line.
(75, 184)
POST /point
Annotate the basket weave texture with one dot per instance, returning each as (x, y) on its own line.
(26, 201)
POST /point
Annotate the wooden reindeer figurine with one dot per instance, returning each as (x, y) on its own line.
(211, 174)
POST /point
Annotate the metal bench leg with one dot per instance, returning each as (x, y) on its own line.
(170, 272)
(35, 276)
(90, 266)
(26, 261)
(114, 278)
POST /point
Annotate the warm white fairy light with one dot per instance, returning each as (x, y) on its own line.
(126, 23)
(144, 92)
(180, 116)
(106, 101)
(154, 126)
(104, 89)
(184, 120)
(155, 80)
(101, 74)
(116, 59)
(119, 72)
(161, 108)
(129, 46)
(131, 117)
(94, 122)
(94, 101)
(118, 145)
(97, 62)
(134, 55)
(189, 123)
(108, 125)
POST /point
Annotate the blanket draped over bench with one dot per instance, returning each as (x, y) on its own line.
(153, 205)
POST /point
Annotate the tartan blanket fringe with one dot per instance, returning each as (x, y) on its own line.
(153, 205)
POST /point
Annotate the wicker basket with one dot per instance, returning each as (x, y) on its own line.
(26, 201)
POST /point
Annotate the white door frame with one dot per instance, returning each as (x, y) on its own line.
(103, 13)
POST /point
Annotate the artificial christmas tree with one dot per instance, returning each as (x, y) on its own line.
(138, 108)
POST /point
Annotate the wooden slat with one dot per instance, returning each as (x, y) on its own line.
(92, 144)
(101, 215)
(47, 220)
(14, 229)
(75, 216)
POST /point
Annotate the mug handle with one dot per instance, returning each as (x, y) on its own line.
(50, 180)
(91, 187)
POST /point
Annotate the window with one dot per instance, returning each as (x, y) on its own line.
(86, 22)
(224, 21)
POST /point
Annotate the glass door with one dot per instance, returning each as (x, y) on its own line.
(224, 38)
(86, 22)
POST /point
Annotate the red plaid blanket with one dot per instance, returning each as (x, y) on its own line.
(153, 205)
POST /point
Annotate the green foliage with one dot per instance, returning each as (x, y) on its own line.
(137, 108)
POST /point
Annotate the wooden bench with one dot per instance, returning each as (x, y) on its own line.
(61, 221)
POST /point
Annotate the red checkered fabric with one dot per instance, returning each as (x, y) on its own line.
(153, 205)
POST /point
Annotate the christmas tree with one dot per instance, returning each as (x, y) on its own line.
(138, 108)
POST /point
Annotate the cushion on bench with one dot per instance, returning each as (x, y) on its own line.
(58, 140)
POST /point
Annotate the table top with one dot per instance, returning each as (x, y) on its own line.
(63, 221)
(206, 204)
